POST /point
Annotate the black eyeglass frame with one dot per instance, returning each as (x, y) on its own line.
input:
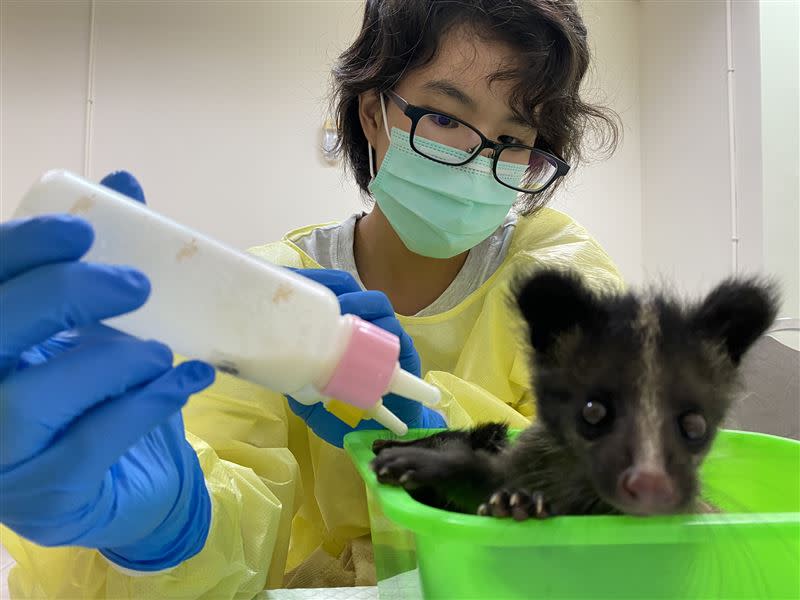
(416, 113)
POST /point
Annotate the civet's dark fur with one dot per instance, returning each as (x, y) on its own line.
(655, 366)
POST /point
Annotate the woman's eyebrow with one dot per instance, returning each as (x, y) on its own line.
(515, 119)
(451, 90)
(520, 118)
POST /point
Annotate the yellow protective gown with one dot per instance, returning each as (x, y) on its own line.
(289, 509)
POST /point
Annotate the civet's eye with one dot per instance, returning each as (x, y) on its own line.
(693, 426)
(594, 412)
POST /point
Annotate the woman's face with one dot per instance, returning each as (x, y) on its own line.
(457, 82)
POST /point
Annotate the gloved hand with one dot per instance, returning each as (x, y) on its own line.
(124, 183)
(92, 446)
(372, 306)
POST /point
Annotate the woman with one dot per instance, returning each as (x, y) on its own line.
(450, 113)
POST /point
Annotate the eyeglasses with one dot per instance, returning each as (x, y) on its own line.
(448, 140)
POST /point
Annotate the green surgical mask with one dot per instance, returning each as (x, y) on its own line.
(439, 210)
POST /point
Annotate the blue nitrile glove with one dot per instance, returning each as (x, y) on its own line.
(374, 307)
(124, 183)
(92, 446)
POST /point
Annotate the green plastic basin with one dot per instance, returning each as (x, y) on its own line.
(750, 551)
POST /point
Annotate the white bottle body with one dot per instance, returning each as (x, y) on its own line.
(244, 316)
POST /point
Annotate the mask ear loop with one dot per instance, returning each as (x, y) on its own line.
(385, 119)
(388, 135)
(371, 166)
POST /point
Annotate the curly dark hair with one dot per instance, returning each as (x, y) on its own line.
(549, 35)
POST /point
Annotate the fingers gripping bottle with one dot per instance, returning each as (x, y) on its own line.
(249, 318)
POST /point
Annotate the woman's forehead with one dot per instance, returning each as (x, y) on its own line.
(470, 64)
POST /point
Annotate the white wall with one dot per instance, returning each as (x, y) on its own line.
(43, 58)
(217, 107)
(687, 208)
(685, 174)
(780, 95)
(606, 197)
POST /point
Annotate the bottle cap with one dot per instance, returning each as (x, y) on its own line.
(368, 369)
